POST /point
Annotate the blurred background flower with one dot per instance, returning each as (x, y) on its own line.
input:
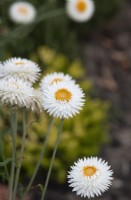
(80, 10)
(22, 12)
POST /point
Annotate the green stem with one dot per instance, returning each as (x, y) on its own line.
(13, 122)
(21, 155)
(3, 155)
(17, 32)
(52, 160)
(5, 166)
(51, 14)
(40, 159)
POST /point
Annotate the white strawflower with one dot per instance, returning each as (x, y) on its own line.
(63, 99)
(15, 92)
(22, 12)
(80, 10)
(36, 101)
(20, 68)
(54, 78)
(90, 177)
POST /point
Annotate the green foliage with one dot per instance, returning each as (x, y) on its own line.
(58, 32)
(82, 136)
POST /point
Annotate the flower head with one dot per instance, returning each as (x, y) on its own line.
(20, 68)
(90, 177)
(15, 92)
(54, 78)
(36, 101)
(22, 12)
(63, 99)
(80, 10)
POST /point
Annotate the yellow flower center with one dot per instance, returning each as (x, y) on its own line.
(81, 5)
(89, 170)
(56, 80)
(23, 10)
(63, 95)
(19, 63)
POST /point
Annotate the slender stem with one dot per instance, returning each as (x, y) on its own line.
(13, 122)
(40, 159)
(5, 166)
(51, 14)
(17, 32)
(12, 177)
(52, 160)
(3, 155)
(21, 155)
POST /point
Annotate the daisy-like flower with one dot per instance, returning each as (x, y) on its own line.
(36, 101)
(16, 92)
(54, 78)
(22, 12)
(63, 99)
(90, 177)
(20, 68)
(80, 10)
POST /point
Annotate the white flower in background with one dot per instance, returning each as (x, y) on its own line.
(20, 68)
(15, 92)
(22, 12)
(90, 177)
(54, 78)
(36, 101)
(63, 99)
(80, 10)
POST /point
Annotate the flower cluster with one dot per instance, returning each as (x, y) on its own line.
(58, 93)
(16, 78)
(79, 10)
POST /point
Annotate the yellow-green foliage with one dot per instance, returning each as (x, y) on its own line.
(82, 136)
